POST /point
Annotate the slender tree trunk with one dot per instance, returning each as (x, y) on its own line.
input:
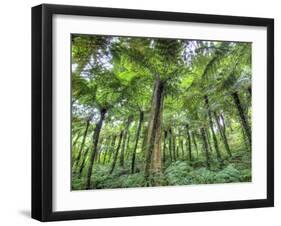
(76, 140)
(153, 147)
(205, 144)
(106, 150)
(122, 153)
(128, 146)
(137, 141)
(95, 145)
(245, 140)
(111, 148)
(170, 144)
(177, 151)
(116, 153)
(97, 157)
(189, 143)
(73, 157)
(77, 160)
(212, 130)
(164, 147)
(223, 135)
(182, 149)
(208, 140)
(174, 147)
(195, 143)
(242, 116)
(223, 122)
(144, 136)
(83, 163)
(99, 150)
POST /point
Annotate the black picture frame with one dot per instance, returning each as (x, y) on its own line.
(42, 111)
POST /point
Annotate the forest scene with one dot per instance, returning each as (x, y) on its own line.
(159, 112)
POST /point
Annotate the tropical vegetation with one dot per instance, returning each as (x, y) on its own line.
(158, 112)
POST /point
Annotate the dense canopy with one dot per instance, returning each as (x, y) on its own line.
(156, 112)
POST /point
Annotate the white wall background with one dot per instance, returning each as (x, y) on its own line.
(15, 113)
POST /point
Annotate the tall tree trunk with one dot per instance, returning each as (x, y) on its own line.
(73, 157)
(153, 147)
(106, 150)
(223, 122)
(76, 139)
(99, 150)
(127, 150)
(208, 140)
(174, 147)
(223, 135)
(195, 143)
(83, 163)
(122, 153)
(77, 160)
(112, 145)
(96, 136)
(242, 116)
(144, 137)
(246, 141)
(97, 157)
(212, 129)
(137, 141)
(164, 147)
(170, 144)
(189, 143)
(205, 144)
(116, 152)
(182, 149)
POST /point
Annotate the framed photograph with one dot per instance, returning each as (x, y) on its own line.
(145, 112)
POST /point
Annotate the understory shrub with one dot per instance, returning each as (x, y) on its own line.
(177, 173)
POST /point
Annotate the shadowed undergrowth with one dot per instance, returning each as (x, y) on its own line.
(235, 169)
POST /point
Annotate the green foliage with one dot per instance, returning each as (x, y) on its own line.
(119, 179)
(228, 174)
(118, 75)
(181, 173)
(177, 173)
